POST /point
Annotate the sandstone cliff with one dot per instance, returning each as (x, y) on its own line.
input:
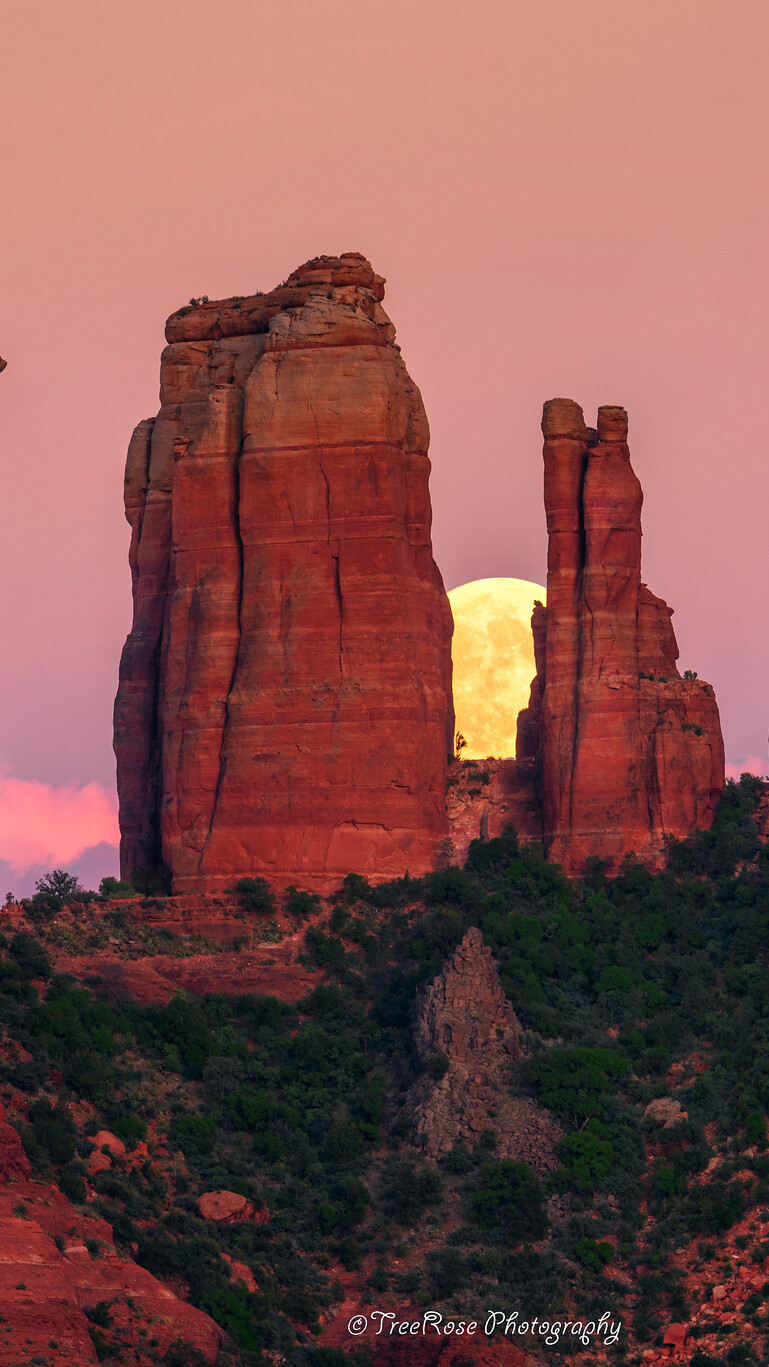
(628, 751)
(284, 705)
(465, 1018)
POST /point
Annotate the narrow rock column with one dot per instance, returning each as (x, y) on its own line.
(628, 753)
(608, 801)
(565, 455)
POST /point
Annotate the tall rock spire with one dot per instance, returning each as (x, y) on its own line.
(284, 706)
(628, 750)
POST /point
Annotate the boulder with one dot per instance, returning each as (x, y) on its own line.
(106, 1140)
(227, 1208)
(666, 1111)
(239, 1272)
(675, 1335)
(98, 1162)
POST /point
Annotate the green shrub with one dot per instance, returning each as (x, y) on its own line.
(301, 904)
(255, 894)
(112, 888)
(576, 1083)
(72, 1184)
(587, 1156)
(509, 1198)
(593, 1255)
(53, 1130)
(410, 1191)
(30, 956)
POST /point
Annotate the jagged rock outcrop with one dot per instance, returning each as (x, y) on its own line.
(628, 751)
(284, 706)
(465, 1017)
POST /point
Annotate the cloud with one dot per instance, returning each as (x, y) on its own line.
(751, 764)
(43, 825)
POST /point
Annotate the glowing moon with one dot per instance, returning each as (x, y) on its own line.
(493, 656)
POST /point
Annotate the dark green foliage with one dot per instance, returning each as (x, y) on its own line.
(356, 889)
(53, 1131)
(346, 1208)
(323, 951)
(232, 1308)
(509, 1198)
(181, 1025)
(110, 888)
(576, 1083)
(101, 1345)
(126, 1124)
(72, 1183)
(449, 1272)
(587, 1156)
(458, 1161)
(593, 1255)
(437, 1066)
(99, 1314)
(30, 956)
(255, 894)
(732, 837)
(409, 1191)
(712, 1209)
(79, 1033)
(300, 903)
(182, 1354)
(61, 886)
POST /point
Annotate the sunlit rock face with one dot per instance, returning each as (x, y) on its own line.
(628, 751)
(284, 706)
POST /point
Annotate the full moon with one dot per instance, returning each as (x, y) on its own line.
(493, 658)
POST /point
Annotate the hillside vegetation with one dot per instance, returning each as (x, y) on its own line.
(632, 989)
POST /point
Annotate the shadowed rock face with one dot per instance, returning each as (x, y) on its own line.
(628, 751)
(284, 705)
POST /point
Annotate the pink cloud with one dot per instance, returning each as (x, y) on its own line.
(751, 764)
(40, 824)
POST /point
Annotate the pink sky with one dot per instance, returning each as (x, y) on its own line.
(565, 199)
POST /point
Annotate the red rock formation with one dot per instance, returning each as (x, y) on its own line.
(158, 977)
(486, 795)
(228, 1208)
(284, 705)
(48, 1279)
(465, 1018)
(14, 1164)
(629, 751)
